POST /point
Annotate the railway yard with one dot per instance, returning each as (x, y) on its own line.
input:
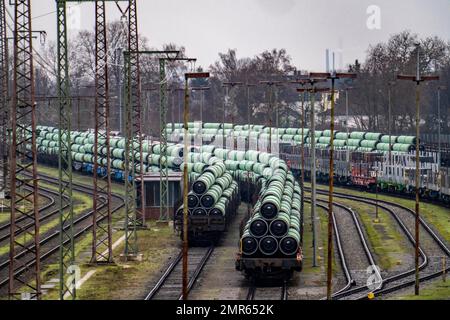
(242, 181)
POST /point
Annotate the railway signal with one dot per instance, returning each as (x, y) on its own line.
(333, 76)
(418, 79)
(187, 77)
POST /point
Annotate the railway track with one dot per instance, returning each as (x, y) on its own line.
(347, 259)
(355, 253)
(268, 293)
(430, 243)
(169, 285)
(51, 241)
(44, 215)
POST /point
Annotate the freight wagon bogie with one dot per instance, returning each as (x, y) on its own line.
(269, 268)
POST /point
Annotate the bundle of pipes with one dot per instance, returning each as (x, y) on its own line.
(214, 192)
(274, 228)
(216, 174)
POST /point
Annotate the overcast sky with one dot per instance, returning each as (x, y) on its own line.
(304, 27)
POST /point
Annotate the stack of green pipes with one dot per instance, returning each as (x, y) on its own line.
(354, 141)
(244, 165)
(274, 228)
(214, 193)
(215, 174)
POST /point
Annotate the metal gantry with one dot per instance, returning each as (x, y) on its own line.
(101, 217)
(4, 98)
(24, 235)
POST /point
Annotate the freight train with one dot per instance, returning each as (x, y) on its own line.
(368, 160)
(270, 238)
(214, 197)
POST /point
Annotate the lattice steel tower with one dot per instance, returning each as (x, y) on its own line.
(133, 134)
(101, 218)
(24, 184)
(4, 96)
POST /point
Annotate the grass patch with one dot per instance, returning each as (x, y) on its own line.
(386, 241)
(5, 216)
(436, 290)
(122, 280)
(322, 230)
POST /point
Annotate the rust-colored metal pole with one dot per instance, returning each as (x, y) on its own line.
(185, 191)
(330, 198)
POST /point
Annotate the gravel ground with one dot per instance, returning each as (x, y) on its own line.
(219, 279)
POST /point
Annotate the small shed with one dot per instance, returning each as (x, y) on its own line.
(152, 193)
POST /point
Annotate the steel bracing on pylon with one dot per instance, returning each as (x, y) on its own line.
(102, 230)
(24, 233)
(4, 97)
(163, 167)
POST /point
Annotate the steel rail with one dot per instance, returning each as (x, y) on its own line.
(169, 270)
(55, 249)
(405, 230)
(283, 296)
(45, 207)
(361, 237)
